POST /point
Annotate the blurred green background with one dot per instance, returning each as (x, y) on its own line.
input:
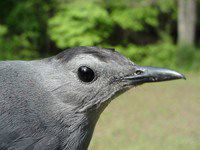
(163, 33)
(150, 32)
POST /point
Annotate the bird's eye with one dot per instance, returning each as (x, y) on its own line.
(86, 74)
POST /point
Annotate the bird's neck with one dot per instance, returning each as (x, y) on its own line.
(80, 127)
(79, 131)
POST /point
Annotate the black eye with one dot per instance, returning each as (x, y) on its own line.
(85, 74)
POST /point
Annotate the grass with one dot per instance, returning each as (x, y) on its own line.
(153, 116)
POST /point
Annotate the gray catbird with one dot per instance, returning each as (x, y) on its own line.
(54, 103)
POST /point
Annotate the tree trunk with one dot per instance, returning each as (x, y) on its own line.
(186, 22)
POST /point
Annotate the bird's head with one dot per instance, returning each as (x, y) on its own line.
(94, 76)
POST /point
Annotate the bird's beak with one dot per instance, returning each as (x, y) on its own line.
(152, 74)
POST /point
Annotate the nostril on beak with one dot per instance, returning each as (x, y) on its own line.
(139, 72)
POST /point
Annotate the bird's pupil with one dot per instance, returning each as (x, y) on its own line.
(85, 74)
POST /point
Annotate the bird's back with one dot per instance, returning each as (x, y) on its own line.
(20, 126)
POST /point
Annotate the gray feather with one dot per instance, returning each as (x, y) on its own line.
(45, 104)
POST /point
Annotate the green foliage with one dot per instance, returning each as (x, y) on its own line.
(143, 30)
(167, 7)
(164, 55)
(161, 55)
(3, 30)
(24, 12)
(188, 58)
(135, 18)
(79, 23)
(15, 47)
(25, 23)
(94, 22)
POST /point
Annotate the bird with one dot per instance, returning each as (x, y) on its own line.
(54, 103)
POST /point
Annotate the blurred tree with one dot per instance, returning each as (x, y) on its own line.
(143, 30)
(94, 22)
(26, 23)
(133, 19)
(186, 21)
(80, 23)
